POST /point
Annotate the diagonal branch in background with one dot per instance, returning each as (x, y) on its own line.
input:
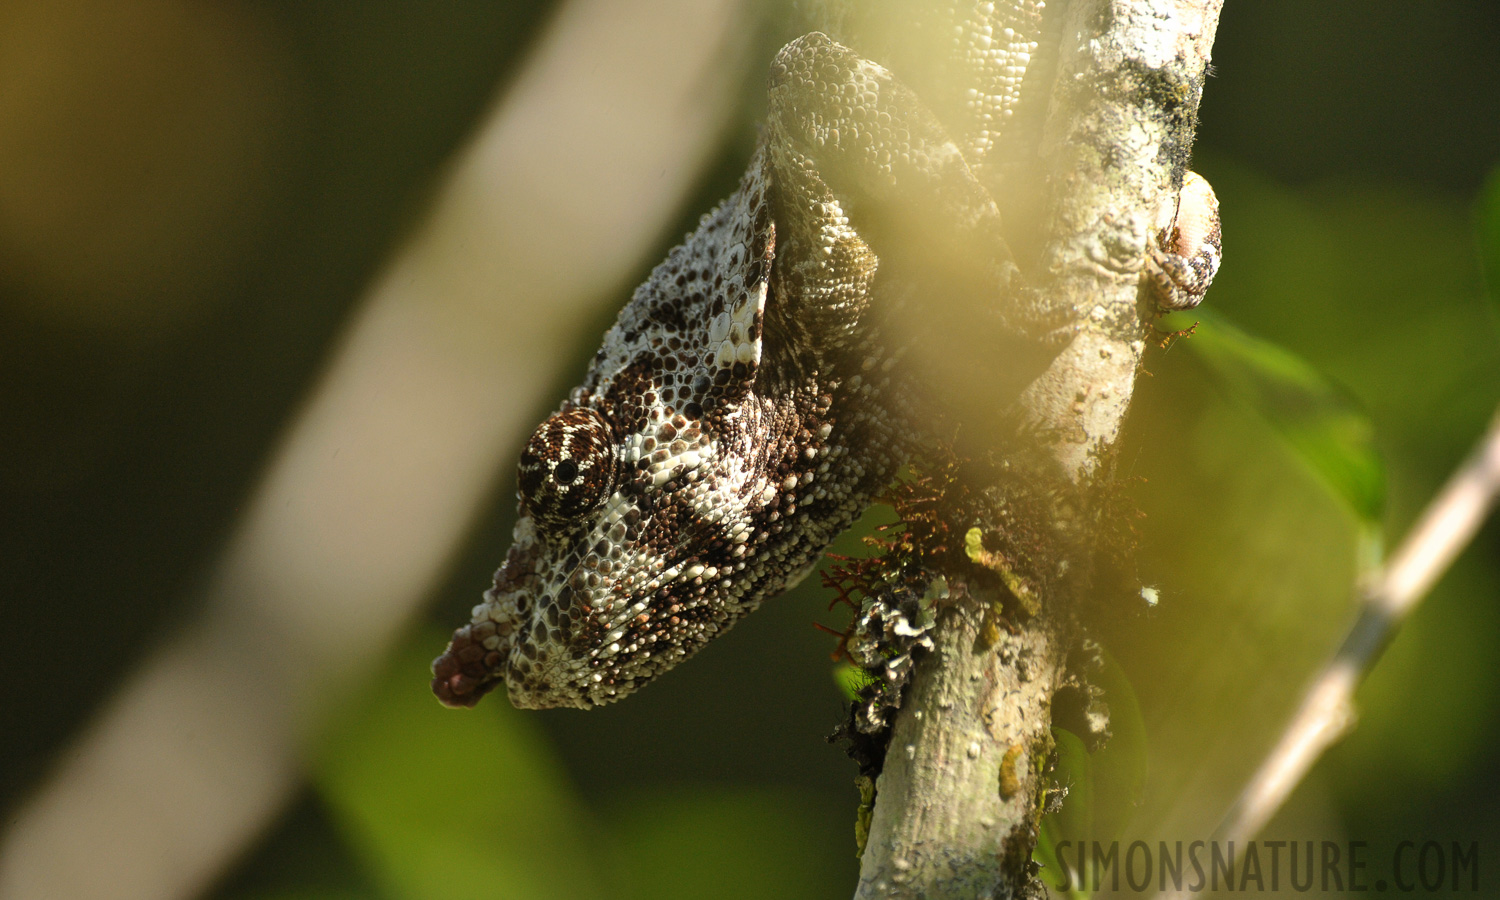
(393, 454)
(963, 783)
(1388, 596)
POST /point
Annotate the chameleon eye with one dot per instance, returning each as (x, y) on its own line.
(567, 468)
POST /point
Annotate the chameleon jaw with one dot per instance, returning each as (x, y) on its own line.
(478, 656)
(555, 636)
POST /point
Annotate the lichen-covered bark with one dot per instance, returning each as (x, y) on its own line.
(1117, 140)
(959, 797)
(956, 807)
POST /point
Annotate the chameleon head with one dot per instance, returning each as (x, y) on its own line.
(620, 564)
(674, 490)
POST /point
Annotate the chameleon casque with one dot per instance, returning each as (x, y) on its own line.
(750, 399)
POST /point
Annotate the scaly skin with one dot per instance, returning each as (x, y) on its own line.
(749, 400)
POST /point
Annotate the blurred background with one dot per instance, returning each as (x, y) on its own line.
(284, 285)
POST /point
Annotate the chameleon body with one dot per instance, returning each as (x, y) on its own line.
(748, 401)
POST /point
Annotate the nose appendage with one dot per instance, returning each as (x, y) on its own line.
(468, 669)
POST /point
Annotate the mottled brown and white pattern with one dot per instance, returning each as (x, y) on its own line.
(1188, 248)
(748, 401)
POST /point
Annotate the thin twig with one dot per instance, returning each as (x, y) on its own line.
(1388, 596)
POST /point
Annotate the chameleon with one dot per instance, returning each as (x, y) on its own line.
(753, 395)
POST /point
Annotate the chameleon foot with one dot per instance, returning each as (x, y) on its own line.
(1188, 246)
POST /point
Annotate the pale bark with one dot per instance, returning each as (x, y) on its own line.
(1117, 129)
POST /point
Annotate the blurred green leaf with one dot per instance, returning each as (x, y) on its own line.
(726, 844)
(1320, 421)
(1487, 233)
(1075, 770)
(1045, 855)
(452, 803)
(1119, 767)
(1075, 821)
(309, 893)
(1103, 787)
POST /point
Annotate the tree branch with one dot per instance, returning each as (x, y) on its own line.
(961, 792)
